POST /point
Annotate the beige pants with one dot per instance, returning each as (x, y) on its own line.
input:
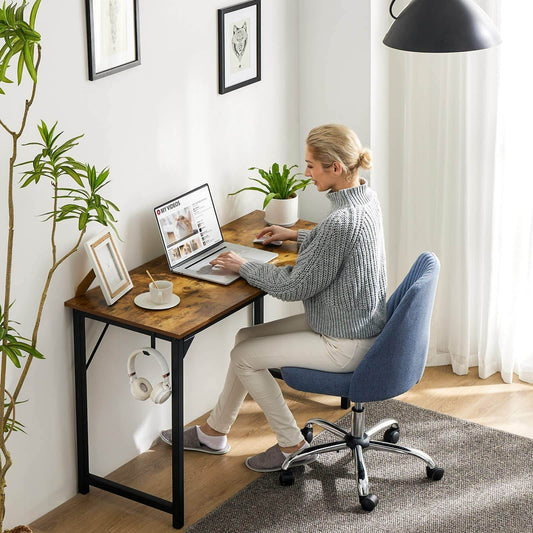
(286, 342)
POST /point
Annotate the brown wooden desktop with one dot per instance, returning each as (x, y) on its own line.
(202, 305)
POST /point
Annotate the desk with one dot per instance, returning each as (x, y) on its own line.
(202, 304)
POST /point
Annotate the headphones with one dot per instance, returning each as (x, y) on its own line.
(141, 388)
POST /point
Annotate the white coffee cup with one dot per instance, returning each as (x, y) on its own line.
(161, 293)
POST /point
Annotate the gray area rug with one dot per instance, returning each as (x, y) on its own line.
(487, 485)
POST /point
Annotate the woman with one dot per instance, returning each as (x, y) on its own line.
(340, 277)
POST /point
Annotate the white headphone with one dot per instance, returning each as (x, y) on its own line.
(141, 388)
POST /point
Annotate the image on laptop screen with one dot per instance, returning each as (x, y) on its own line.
(188, 225)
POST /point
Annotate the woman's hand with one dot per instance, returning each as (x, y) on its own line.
(277, 233)
(229, 261)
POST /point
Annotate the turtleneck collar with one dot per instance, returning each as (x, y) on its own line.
(352, 196)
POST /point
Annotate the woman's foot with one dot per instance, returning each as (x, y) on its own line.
(291, 449)
(192, 441)
(272, 459)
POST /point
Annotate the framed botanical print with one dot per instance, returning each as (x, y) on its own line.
(112, 36)
(239, 46)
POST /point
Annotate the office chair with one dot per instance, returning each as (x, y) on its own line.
(394, 363)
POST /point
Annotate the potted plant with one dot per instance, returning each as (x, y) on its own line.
(75, 190)
(279, 188)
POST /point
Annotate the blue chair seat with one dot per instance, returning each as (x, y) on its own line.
(307, 380)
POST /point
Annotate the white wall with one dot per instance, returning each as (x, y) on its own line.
(334, 76)
(344, 78)
(162, 128)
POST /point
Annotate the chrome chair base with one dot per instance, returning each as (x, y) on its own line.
(358, 441)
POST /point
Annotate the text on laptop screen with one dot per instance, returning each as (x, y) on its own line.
(188, 225)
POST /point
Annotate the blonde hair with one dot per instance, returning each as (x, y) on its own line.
(335, 142)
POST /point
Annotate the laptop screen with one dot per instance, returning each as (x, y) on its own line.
(188, 225)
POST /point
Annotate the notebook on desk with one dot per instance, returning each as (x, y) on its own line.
(192, 237)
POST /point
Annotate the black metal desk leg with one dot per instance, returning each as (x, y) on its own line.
(259, 311)
(82, 431)
(178, 350)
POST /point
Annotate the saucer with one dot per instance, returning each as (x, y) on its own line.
(143, 300)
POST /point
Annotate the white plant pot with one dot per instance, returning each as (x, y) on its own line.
(282, 212)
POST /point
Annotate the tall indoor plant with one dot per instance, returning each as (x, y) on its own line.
(279, 187)
(76, 194)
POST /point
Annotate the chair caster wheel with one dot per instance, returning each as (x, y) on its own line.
(286, 478)
(435, 474)
(392, 435)
(368, 502)
(307, 433)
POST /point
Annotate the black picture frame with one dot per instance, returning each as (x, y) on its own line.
(116, 46)
(239, 53)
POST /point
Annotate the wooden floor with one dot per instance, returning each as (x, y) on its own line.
(210, 480)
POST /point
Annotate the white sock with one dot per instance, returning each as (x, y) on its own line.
(215, 443)
(306, 445)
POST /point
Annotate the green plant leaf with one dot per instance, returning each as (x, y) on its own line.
(102, 176)
(33, 13)
(28, 348)
(112, 205)
(84, 218)
(301, 185)
(248, 189)
(5, 62)
(13, 425)
(13, 344)
(269, 197)
(73, 174)
(12, 354)
(20, 68)
(262, 183)
(28, 59)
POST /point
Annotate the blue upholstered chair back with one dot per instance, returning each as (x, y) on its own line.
(396, 361)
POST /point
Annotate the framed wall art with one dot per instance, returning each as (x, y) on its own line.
(108, 267)
(239, 46)
(112, 36)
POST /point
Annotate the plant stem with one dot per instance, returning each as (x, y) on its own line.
(12, 404)
(54, 223)
(9, 262)
(11, 230)
(44, 294)
(11, 209)
(6, 128)
(30, 101)
(7, 294)
(5, 467)
(15, 136)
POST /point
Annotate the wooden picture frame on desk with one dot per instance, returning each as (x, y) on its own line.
(108, 267)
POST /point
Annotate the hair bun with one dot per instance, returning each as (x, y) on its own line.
(365, 159)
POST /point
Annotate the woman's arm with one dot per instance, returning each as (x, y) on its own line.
(316, 267)
(277, 233)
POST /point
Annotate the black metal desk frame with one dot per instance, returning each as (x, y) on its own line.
(179, 348)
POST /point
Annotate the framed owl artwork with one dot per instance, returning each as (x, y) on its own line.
(239, 46)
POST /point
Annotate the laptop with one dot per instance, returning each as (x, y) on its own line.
(191, 237)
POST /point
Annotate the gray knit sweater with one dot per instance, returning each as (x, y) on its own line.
(340, 270)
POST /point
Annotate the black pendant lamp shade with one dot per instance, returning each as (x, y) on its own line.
(442, 26)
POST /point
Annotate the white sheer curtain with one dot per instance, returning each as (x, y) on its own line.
(462, 185)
